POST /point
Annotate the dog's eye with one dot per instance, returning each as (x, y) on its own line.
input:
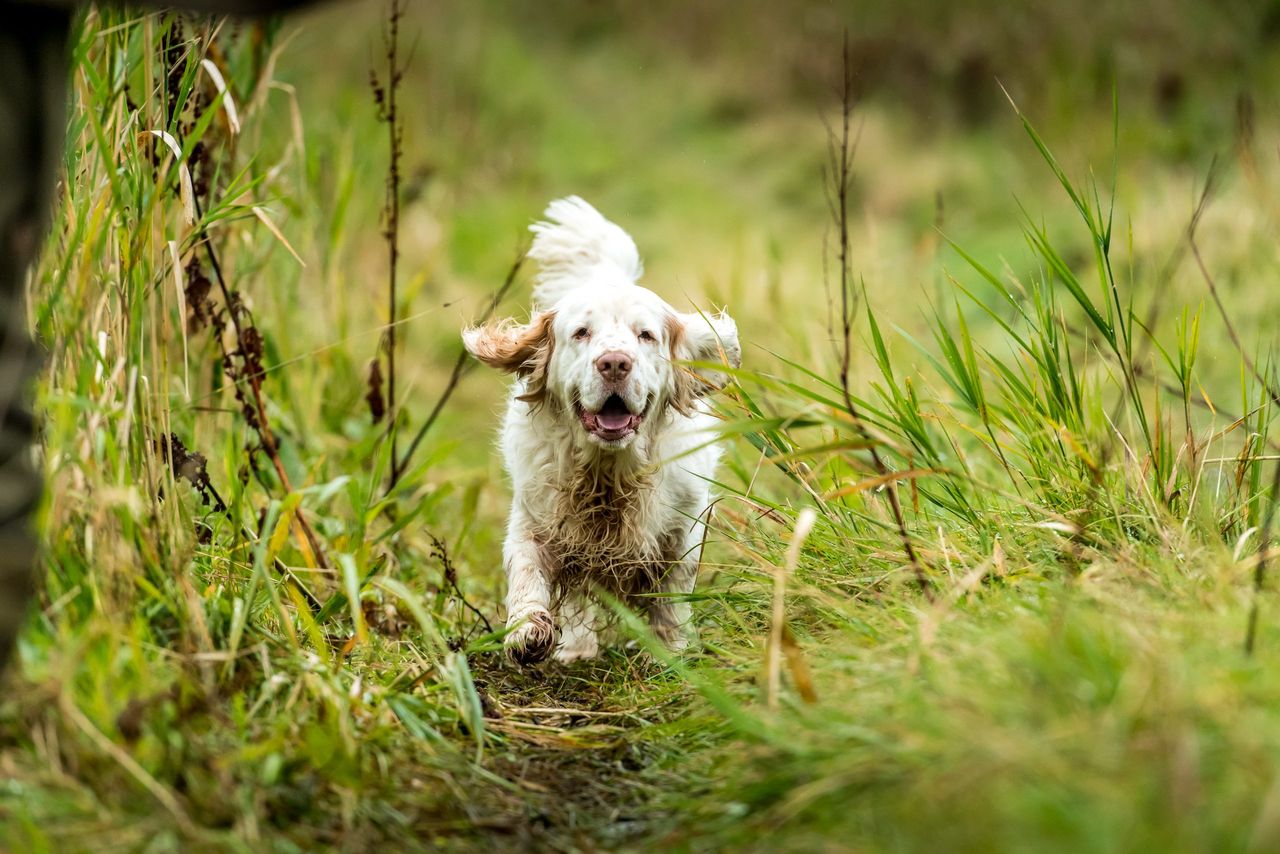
(581, 334)
(646, 336)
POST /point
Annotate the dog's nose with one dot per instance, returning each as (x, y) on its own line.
(614, 366)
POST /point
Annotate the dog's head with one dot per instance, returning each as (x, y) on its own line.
(601, 351)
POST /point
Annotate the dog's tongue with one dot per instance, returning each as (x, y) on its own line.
(614, 417)
(614, 421)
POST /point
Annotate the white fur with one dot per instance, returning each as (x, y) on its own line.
(576, 245)
(594, 511)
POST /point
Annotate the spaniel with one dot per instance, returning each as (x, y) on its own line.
(608, 440)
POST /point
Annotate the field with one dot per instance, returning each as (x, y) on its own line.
(1061, 291)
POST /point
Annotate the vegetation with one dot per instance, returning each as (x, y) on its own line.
(989, 566)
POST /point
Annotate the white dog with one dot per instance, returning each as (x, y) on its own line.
(607, 440)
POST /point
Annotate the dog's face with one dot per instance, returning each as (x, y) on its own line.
(603, 359)
(611, 364)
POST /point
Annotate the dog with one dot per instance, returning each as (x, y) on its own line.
(608, 440)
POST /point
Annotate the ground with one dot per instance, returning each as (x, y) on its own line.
(245, 640)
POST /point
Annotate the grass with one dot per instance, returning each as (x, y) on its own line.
(242, 642)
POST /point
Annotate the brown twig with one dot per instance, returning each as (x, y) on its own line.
(460, 366)
(842, 150)
(186, 464)
(1272, 391)
(1260, 570)
(249, 341)
(441, 553)
(249, 344)
(191, 466)
(384, 96)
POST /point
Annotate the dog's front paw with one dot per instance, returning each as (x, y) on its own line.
(533, 640)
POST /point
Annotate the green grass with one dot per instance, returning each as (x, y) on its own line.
(1091, 461)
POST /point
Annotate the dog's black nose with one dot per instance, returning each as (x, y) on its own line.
(614, 366)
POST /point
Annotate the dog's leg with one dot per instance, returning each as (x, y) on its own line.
(533, 630)
(671, 618)
(577, 631)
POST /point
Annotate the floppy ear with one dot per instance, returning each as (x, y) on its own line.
(702, 338)
(521, 350)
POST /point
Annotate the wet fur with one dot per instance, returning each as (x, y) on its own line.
(627, 525)
(522, 349)
(601, 536)
(587, 517)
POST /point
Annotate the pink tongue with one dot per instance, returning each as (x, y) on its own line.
(613, 421)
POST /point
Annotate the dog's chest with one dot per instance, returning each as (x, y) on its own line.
(619, 536)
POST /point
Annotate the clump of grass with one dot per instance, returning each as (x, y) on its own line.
(1076, 682)
(233, 635)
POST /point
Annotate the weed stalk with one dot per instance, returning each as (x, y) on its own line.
(460, 366)
(842, 150)
(385, 99)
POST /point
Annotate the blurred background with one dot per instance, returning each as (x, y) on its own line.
(703, 129)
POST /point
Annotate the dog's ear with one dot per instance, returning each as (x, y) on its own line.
(523, 350)
(701, 338)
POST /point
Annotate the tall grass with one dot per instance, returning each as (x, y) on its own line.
(232, 632)
(1016, 621)
(1078, 683)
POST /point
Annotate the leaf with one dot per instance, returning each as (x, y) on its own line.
(998, 562)
(280, 535)
(801, 675)
(185, 191)
(735, 714)
(470, 708)
(403, 707)
(228, 103)
(377, 405)
(351, 580)
(261, 213)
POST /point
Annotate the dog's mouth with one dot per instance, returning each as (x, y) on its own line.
(614, 420)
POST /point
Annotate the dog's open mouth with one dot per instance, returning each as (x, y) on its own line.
(614, 421)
